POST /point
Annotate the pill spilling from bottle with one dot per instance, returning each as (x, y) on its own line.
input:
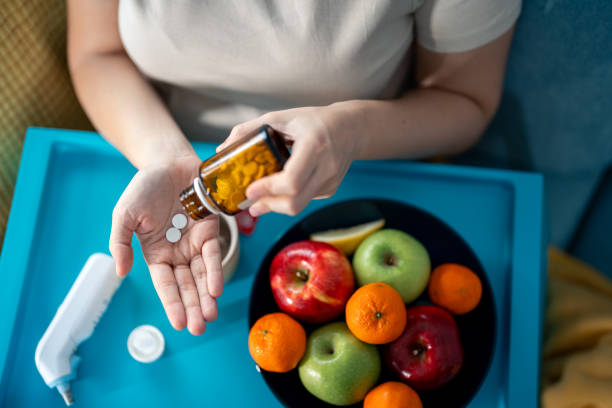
(179, 221)
(223, 179)
(173, 234)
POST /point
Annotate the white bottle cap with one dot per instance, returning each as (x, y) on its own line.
(146, 343)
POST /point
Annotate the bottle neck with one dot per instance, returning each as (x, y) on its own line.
(196, 201)
(277, 144)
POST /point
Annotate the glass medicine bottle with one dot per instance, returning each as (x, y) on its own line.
(223, 178)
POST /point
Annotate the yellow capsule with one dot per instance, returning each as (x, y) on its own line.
(261, 171)
(237, 198)
(246, 181)
(237, 178)
(250, 168)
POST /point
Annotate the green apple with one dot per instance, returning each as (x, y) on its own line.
(395, 258)
(337, 367)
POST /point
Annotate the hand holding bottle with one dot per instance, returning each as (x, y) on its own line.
(187, 275)
(325, 141)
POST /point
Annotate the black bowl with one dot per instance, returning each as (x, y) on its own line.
(477, 328)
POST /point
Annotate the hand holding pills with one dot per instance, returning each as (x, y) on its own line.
(183, 257)
(179, 221)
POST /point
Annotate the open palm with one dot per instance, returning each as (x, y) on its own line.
(187, 275)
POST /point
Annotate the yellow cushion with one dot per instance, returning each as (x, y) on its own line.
(577, 354)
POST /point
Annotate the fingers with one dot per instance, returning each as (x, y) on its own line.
(184, 291)
(184, 295)
(287, 204)
(208, 303)
(290, 190)
(210, 249)
(329, 189)
(241, 130)
(315, 168)
(191, 299)
(120, 242)
(166, 287)
(292, 179)
(211, 252)
(277, 120)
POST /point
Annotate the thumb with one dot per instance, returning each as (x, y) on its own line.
(272, 185)
(120, 243)
(240, 131)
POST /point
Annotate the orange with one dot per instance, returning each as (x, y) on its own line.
(455, 287)
(277, 342)
(376, 313)
(392, 395)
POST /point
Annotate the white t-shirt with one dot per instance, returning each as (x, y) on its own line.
(219, 63)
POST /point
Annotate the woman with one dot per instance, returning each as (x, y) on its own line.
(346, 80)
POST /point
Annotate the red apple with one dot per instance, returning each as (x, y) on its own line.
(311, 281)
(428, 354)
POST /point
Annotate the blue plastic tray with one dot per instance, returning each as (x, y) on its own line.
(67, 186)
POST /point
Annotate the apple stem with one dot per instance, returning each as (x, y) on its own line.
(418, 350)
(389, 260)
(301, 275)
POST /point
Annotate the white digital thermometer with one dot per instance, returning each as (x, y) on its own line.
(74, 322)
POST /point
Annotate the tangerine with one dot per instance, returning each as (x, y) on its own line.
(277, 342)
(455, 287)
(376, 313)
(392, 394)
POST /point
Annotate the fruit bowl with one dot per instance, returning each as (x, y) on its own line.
(477, 328)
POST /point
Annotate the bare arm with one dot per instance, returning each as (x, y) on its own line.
(456, 97)
(122, 105)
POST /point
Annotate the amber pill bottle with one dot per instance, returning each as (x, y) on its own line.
(223, 178)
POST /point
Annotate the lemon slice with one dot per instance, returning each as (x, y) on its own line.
(348, 239)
